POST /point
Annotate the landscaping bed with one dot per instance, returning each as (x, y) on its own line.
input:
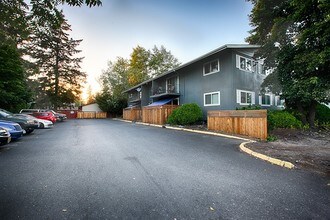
(308, 150)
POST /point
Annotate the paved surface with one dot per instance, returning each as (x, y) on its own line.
(104, 169)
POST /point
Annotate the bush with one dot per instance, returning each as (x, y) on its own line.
(186, 114)
(282, 119)
(322, 115)
(250, 107)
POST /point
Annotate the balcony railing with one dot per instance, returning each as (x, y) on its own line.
(171, 89)
(134, 98)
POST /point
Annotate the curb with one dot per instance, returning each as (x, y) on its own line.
(271, 160)
(242, 147)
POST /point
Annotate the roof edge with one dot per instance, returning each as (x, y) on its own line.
(226, 46)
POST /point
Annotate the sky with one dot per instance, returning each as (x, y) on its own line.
(188, 28)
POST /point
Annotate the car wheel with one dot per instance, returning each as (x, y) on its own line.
(29, 131)
(42, 125)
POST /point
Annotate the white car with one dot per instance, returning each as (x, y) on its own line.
(44, 123)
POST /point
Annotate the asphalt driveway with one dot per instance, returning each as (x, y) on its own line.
(105, 169)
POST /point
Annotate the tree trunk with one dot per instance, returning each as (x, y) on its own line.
(311, 114)
(302, 113)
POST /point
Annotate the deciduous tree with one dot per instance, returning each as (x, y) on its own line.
(294, 35)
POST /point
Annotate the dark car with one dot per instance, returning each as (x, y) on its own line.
(13, 128)
(27, 125)
(30, 118)
(5, 137)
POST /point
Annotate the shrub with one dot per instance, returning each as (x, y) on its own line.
(322, 114)
(250, 107)
(186, 114)
(271, 138)
(282, 119)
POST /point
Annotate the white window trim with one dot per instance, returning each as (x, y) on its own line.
(238, 97)
(270, 98)
(206, 74)
(252, 63)
(177, 83)
(278, 104)
(210, 93)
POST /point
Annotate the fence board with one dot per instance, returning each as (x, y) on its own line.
(157, 114)
(251, 123)
(101, 115)
(91, 115)
(132, 114)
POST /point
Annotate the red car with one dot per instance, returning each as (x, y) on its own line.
(45, 115)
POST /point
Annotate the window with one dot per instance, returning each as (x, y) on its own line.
(172, 85)
(245, 97)
(265, 100)
(246, 64)
(269, 71)
(279, 102)
(176, 101)
(212, 98)
(211, 67)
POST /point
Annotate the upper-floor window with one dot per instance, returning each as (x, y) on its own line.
(244, 63)
(211, 67)
(212, 98)
(172, 85)
(245, 97)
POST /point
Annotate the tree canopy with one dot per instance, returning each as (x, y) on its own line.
(34, 29)
(294, 35)
(124, 73)
(55, 55)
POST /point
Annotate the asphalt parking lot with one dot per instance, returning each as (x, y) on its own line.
(105, 169)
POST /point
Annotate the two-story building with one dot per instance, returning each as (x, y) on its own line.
(223, 79)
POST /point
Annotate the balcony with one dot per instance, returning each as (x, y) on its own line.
(169, 91)
(134, 98)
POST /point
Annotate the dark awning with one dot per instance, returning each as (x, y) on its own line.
(161, 102)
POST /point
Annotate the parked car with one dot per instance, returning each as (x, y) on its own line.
(45, 123)
(29, 117)
(27, 125)
(59, 116)
(13, 128)
(29, 111)
(45, 115)
(41, 122)
(5, 137)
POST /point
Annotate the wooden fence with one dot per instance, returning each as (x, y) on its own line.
(132, 114)
(87, 115)
(251, 123)
(157, 114)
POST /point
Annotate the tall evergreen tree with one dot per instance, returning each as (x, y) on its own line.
(13, 25)
(14, 93)
(55, 54)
